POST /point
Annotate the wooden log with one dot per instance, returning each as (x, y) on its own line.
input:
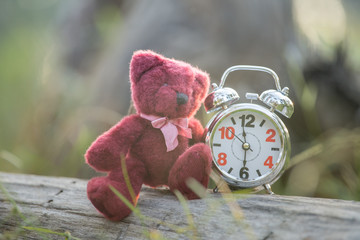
(60, 205)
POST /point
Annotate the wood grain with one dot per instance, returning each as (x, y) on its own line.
(60, 204)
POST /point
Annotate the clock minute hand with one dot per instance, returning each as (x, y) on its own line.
(235, 135)
(238, 138)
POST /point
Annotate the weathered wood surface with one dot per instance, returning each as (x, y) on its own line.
(60, 204)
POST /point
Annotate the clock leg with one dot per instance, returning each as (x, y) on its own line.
(268, 189)
(193, 163)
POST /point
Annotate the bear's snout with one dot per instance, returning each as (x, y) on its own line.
(181, 98)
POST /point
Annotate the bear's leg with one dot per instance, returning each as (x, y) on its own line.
(193, 163)
(105, 200)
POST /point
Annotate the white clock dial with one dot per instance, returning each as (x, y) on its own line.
(247, 146)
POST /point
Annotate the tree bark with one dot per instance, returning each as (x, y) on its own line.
(60, 205)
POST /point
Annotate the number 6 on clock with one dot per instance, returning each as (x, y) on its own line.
(249, 143)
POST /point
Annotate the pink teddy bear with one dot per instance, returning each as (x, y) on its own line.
(162, 144)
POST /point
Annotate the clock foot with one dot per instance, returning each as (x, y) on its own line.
(268, 189)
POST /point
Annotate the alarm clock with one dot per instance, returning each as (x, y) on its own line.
(249, 143)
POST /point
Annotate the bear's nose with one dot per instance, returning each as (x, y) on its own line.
(181, 98)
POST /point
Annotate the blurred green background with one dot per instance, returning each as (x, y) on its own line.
(64, 76)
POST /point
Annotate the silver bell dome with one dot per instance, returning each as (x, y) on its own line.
(279, 101)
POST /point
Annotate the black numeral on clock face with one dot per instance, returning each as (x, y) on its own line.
(250, 120)
(244, 173)
(246, 146)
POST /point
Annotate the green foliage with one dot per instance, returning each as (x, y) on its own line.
(329, 168)
(46, 124)
(25, 223)
(190, 230)
(67, 235)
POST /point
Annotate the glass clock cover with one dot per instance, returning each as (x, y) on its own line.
(249, 144)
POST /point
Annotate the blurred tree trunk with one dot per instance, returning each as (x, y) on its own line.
(213, 35)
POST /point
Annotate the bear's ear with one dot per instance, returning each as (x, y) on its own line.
(201, 83)
(141, 62)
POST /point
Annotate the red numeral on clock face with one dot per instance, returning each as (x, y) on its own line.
(222, 159)
(227, 132)
(268, 162)
(272, 135)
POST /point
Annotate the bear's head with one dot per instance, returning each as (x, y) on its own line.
(166, 87)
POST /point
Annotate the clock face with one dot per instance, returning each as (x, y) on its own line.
(248, 146)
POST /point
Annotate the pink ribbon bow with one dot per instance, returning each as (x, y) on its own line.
(170, 128)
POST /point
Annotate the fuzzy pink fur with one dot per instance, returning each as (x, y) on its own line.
(156, 83)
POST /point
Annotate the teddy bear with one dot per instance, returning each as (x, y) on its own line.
(161, 145)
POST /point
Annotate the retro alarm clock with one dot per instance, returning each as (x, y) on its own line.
(249, 143)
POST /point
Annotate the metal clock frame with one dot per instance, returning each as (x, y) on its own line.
(225, 100)
(284, 156)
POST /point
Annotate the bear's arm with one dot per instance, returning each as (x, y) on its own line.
(197, 131)
(106, 151)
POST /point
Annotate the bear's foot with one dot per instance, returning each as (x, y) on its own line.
(194, 163)
(105, 200)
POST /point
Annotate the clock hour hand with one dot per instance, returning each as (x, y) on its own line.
(244, 133)
(240, 140)
(245, 157)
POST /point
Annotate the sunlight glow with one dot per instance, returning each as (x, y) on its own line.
(323, 22)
